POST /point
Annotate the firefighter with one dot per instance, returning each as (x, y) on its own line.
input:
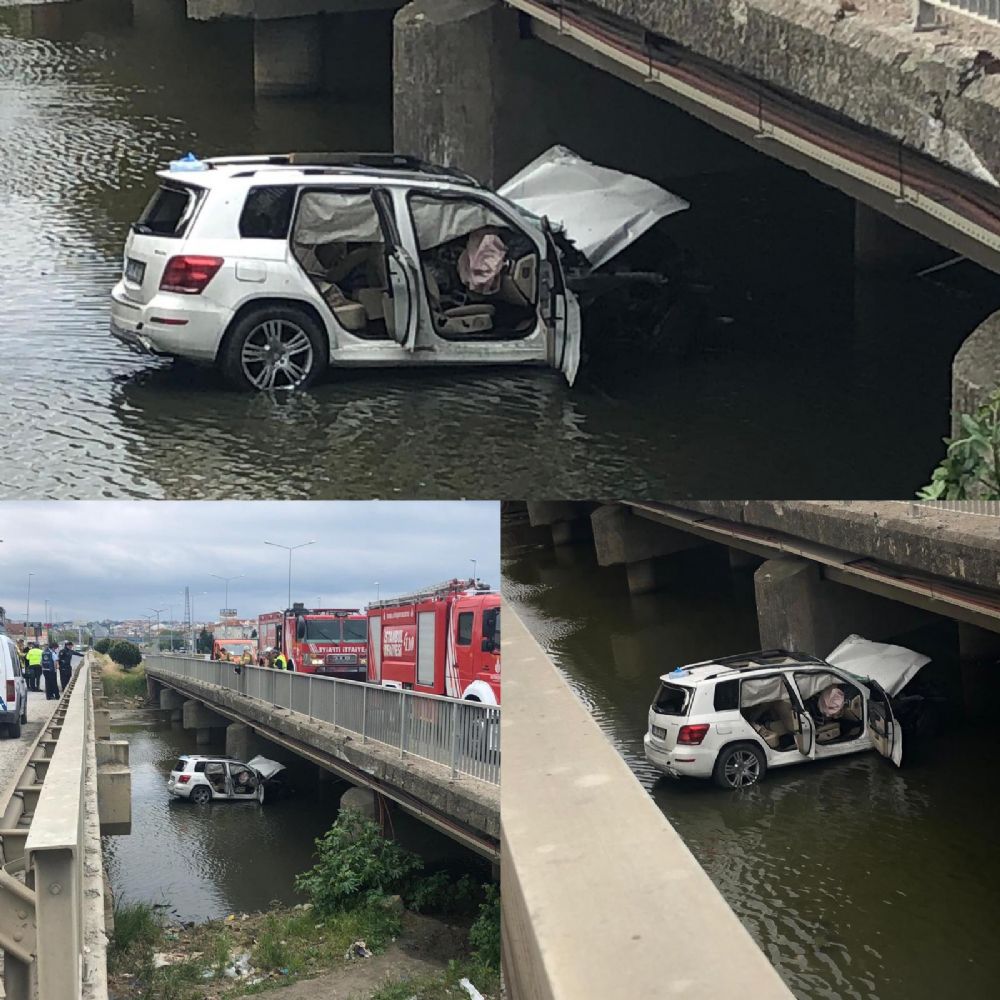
(34, 658)
(280, 663)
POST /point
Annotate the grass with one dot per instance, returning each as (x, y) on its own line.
(136, 928)
(119, 683)
(443, 986)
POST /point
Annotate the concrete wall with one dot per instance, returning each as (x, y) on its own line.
(975, 372)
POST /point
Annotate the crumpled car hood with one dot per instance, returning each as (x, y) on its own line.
(892, 666)
(601, 210)
(266, 768)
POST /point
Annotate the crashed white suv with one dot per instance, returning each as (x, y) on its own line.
(204, 779)
(276, 267)
(732, 718)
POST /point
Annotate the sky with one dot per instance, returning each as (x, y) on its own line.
(96, 560)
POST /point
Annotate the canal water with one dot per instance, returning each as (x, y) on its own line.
(96, 94)
(857, 879)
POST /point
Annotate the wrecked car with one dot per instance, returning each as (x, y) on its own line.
(733, 718)
(275, 267)
(206, 779)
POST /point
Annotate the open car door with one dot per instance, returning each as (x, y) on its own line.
(403, 278)
(883, 726)
(805, 729)
(561, 312)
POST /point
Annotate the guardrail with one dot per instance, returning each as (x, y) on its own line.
(463, 736)
(925, 15)
(43, 827)
(988, 508)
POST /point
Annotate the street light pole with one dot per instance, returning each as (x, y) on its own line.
(157, 611)
(27, 610)
(226, 580)
(378, 592)
(290, 549)
(475, 577)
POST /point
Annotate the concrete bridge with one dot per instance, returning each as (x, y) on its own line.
(71, 787)
(437, 758)
(821, 569)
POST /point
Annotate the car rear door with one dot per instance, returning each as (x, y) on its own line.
(883, 727)
(560, 310)
(158, 235)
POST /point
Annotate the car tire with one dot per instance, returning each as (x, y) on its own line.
(201, 794)
(14, 729)
(267, 329)
(739, 765)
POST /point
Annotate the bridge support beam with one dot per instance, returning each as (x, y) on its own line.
(242, 742)
(153, 689)
(882, 245)
(361, 800)
(569, 521)
(288, 56)
(202, 719)
(740, 560)
(172, 702)
(620, 536)
(975, 372)
(797, 609)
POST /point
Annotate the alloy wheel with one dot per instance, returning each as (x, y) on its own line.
(742, 769)
(277, 354)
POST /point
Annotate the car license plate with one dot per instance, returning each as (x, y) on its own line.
(660, 734)
(135, 271)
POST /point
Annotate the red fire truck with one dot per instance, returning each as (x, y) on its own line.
(442, 640)
(328, 641)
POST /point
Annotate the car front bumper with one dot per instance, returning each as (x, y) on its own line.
(169, 325)
(683, 762)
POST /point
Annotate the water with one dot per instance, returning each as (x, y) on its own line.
(857, 879)
(204, 862)
(95, 94)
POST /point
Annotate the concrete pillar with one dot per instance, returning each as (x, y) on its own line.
(882, 245)
(979, 652)
(202, 719)
(153, 689)
(798, 610)
(102, 723)
(740, 560)
(568, 520)
(242, 742)
(448, 58)
(975, 372)
(114, 798)
(620, 536)
(361, 800)
(288, 56)
(171, 700)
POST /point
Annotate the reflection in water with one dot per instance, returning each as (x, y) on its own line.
(97, 93)
(859, 880)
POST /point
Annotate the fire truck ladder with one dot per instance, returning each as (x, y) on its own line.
(453, 586)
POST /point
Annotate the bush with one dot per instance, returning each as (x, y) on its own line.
(126, 654)
(356, 865)
(130, 685)
(438, 893)
(484, 934)
(971, 466)
(102, 646)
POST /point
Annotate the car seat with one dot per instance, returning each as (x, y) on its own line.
(476, 317)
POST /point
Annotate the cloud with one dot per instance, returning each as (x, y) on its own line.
(118, 559)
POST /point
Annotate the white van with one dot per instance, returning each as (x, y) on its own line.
(13, 690)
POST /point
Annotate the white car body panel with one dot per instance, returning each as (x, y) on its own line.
(892, 666)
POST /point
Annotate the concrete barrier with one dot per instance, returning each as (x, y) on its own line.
(601, 897)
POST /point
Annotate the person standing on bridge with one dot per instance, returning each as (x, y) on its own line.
(66, 663)
(34, 658)
(280, 663)
(49, 670)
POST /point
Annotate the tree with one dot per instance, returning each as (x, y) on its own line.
(127, 654)
(206, 641)
(971, 466)
(102, 646)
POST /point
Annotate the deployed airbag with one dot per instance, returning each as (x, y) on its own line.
(601, 210)
(481, 264)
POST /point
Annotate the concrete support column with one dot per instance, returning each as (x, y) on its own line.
(203, 719)
(153, 689)
(621, 536)
(882, 245)
(975, 372)
(242, 742)
(448, 59)
(361, 800)
(172, 702)
(288, 56)
(798, 610)
(740, 560)
(980, 661)
(569, 521)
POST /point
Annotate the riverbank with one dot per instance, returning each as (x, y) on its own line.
(379, 951)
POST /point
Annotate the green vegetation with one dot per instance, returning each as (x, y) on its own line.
(205, 641)
(136, 927)
(124, 685)
(126, 654)
(102, 646)
(971, 466)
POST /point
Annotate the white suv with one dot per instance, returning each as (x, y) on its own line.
(204, 779)
(276, 267)
(732, 718)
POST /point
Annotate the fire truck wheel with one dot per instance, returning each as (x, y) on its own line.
(273, 347)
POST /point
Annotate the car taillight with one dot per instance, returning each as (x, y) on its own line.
(11, 693)
(184, 779)
(189, 275)
(692, 735)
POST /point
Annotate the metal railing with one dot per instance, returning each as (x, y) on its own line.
(463, 736)
(43, 827)
(988, 508)
(925, 15)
